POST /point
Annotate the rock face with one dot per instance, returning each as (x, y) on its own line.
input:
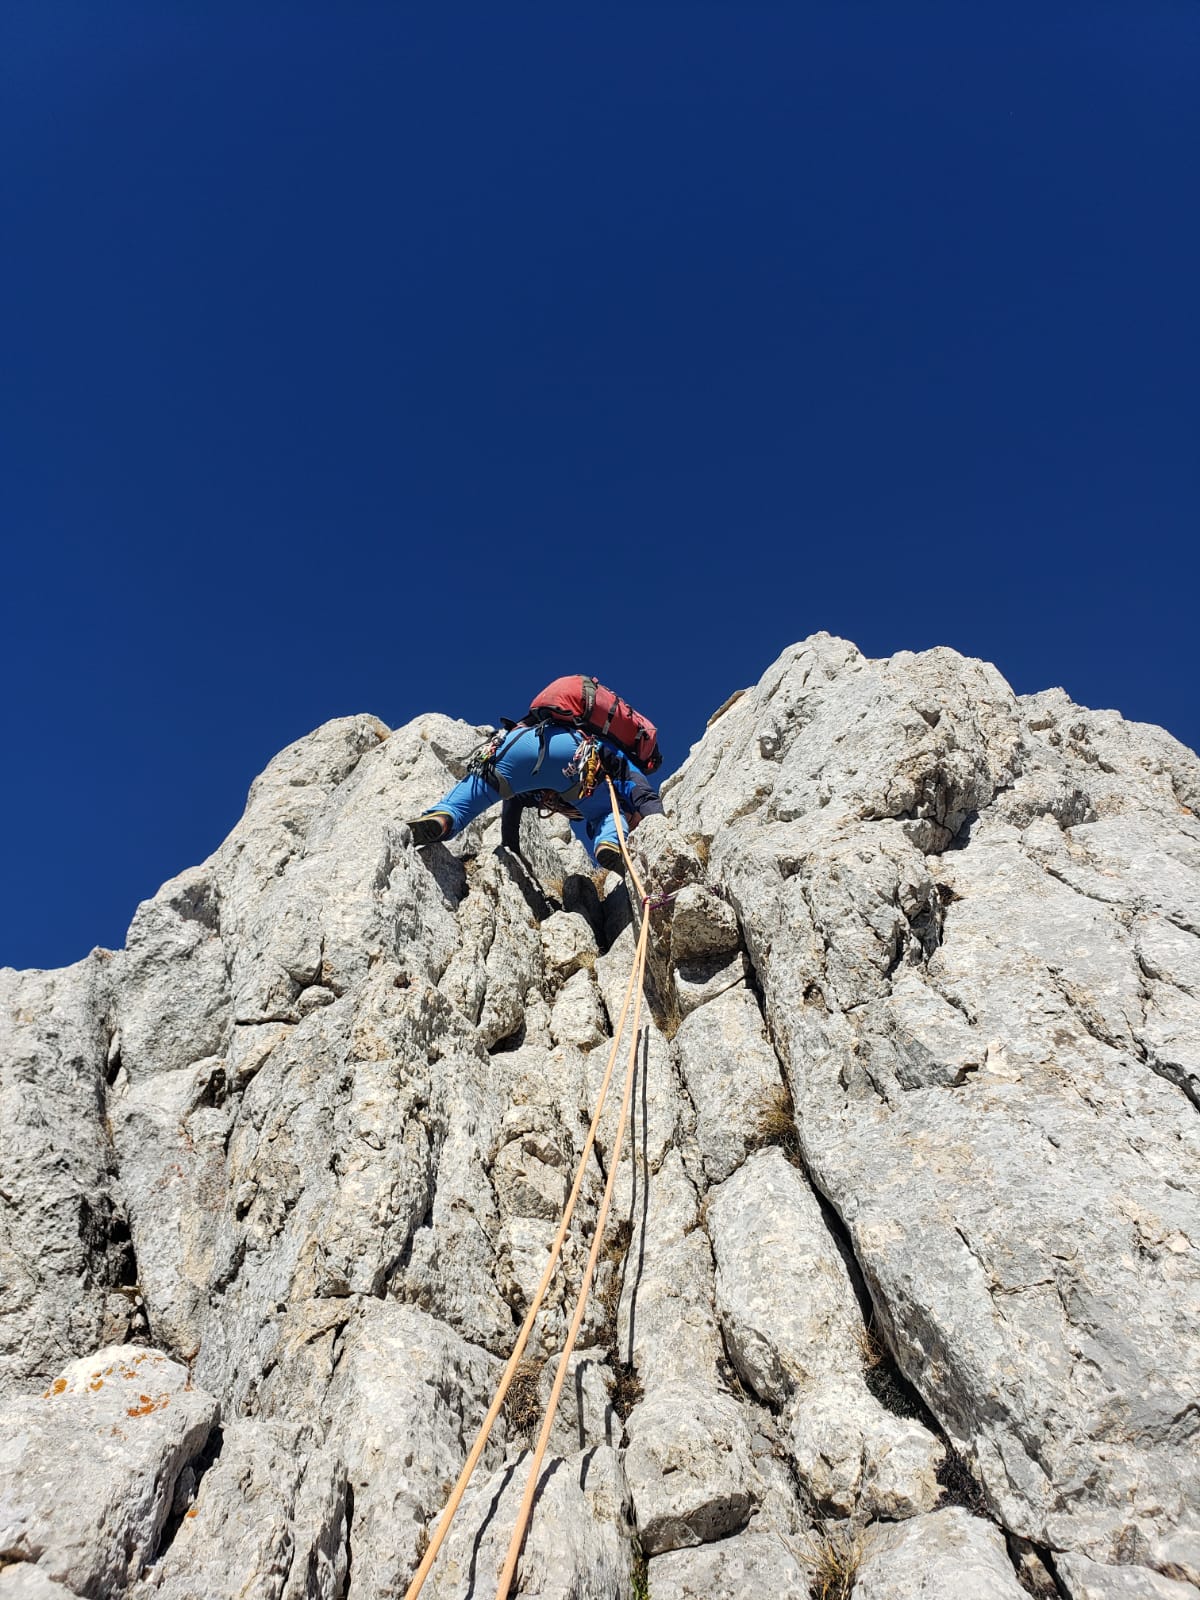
(906, 1215)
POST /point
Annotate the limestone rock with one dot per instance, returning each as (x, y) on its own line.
(702, 925)
(25, 1582)
(64, 1250)
(963, 1030)
(664, 859)
(858, 1458)
(732, 1077)
(697, 982)
(267, 1518)
(660, 1109)
(89, 1467)
(795, 1333)
(689, 1467)
(402, 1409)
(568, 945)
(579, 1539)
(585, 1417)
(922, 1041)
(749, 1563)
(667, 1328)
(1082, 1579)
(173, 1000)
(788, 1304)
(578, 1017)
(941, 1556)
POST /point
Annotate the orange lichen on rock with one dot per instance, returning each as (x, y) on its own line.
(148, 1405)
(56, 1387)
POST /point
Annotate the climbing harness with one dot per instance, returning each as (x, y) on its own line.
(634, 990)
(590, 763)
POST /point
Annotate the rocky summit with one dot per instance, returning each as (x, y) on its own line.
(901, 1289)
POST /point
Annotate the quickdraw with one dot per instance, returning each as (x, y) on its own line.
(480, 761)
(586, 766)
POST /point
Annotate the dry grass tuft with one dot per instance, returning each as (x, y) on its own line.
(670, 1019)
(522, 1405)
(639, 1576)
(608, 1293)
(834, 1556)
(871, 1348)
(627, 1389)
(775, 1119)
(617, 1242)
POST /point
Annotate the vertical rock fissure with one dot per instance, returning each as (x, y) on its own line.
(186, 1491)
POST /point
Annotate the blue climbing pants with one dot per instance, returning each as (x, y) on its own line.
(514, 763)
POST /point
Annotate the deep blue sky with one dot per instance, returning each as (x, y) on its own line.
(381, 358)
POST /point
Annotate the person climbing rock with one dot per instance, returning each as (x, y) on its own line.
(574, 736)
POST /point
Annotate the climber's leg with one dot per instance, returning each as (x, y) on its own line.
(602, 829)
(466, 801)
(429, 827)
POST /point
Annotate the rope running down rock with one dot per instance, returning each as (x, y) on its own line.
(636, 981)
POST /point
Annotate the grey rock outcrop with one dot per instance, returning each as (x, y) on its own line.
(907, 1205)
(271, 1521)
(945, 892)
(64, 1235)
(794, 1332)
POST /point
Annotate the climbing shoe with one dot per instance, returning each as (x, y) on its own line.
(609, 857)
(429, 828)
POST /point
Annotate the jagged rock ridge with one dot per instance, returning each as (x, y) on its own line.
(908, 1215)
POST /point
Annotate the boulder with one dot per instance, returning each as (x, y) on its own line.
(89, 1466)
(941, 1556)
(689, 1467)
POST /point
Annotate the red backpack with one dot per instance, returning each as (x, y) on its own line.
(583, 702)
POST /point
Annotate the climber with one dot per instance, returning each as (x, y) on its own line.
(539, 766)
(556, 759)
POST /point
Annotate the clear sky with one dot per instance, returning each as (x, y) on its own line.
(386, 358)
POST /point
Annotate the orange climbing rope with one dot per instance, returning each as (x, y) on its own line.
(636, 981)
